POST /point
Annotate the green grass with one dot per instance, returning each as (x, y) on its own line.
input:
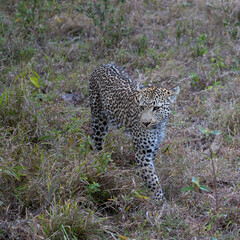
(53, 185)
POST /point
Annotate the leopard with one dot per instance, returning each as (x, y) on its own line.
(141, 111)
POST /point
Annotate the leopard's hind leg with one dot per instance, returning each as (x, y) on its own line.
(100, 122)
(100, 127)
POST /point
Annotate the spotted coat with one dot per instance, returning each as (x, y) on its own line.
(117, 99)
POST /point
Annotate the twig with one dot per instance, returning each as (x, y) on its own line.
(214, 178)
(215, 184)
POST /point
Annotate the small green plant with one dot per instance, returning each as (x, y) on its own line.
(195, 79)
(217, 67)
(195, 186)
(208, 132)
(93, 188)
(218, 63)
(102, 162)
(215, 86)
(200, 45)
(84, 149)
(28, 75)
(16, 172)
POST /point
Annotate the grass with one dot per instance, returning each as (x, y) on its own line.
(53, 185)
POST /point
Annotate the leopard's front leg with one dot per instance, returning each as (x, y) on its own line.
(147, 171)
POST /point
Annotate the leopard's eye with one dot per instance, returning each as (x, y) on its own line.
(155, 108)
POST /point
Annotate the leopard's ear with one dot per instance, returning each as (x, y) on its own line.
(139, 87)
(173, 95)
(140, 90)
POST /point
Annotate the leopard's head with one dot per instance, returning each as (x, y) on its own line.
(155, 105)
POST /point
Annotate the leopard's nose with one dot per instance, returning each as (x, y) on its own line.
(146, 123)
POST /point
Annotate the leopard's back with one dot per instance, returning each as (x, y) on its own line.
(115, 93)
